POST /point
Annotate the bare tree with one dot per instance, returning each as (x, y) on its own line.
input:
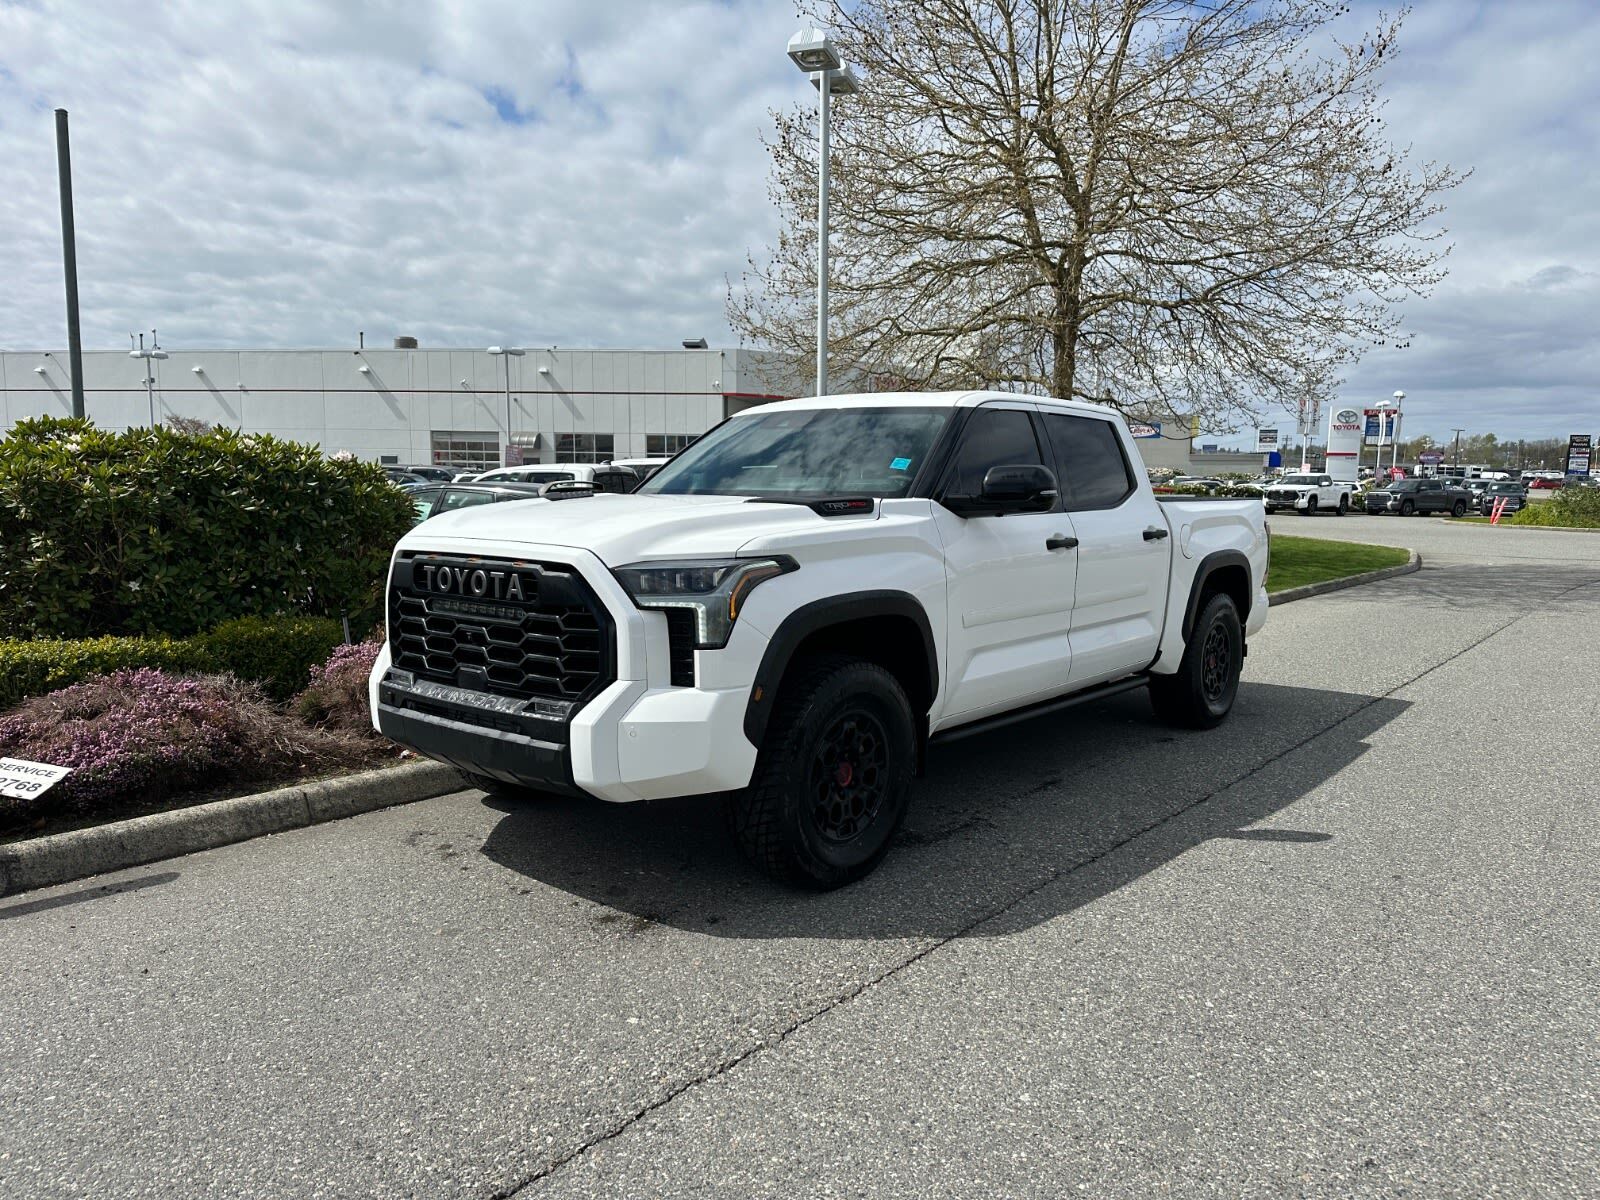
(1173, 206)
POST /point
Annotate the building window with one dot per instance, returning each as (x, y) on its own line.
(584, 447)
(466, 451)
(660, 445)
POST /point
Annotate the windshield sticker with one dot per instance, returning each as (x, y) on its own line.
(900, 464)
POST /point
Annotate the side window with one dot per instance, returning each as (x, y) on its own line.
(462, 499)
(995, 437)
(618, 482)
(1326, 481)
(1089, 460)
(425, 499)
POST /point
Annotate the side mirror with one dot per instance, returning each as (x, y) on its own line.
(1018, 487)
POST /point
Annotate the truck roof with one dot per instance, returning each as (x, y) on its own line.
(957, 399)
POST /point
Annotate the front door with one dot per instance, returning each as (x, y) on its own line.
(1009, 592)
(1124, 553)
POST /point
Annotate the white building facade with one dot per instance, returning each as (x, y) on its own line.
(464, 408)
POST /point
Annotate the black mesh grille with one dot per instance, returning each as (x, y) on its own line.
(680, 644)
(545, 636)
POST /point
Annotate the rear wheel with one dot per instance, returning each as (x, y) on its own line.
(1201, 692)
(1344, 505)
(1460, 510)
(833, 780)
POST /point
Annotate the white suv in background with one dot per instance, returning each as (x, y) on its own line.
(1309, 494)
(606, 477)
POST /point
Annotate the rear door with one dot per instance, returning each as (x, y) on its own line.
(1009, 592)
(1431, 496)
(1124, 553)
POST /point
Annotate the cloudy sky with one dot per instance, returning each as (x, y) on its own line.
(589, 173)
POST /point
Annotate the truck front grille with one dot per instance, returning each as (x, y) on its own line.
(513, 627)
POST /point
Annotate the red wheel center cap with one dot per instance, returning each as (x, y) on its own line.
(844, 773)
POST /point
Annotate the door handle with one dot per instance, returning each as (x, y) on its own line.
(1153, 534)
(1060, 541)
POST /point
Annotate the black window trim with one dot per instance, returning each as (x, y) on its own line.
(1066, 504)
(955, 433)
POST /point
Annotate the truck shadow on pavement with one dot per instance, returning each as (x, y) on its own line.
(1007, 830)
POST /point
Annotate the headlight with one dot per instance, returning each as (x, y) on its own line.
(714, 589)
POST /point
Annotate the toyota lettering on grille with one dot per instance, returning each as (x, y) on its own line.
(471, 581)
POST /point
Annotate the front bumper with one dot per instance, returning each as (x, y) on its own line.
(639, 738)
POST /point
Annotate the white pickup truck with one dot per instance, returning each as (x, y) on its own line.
(1309, 493)
(796, 605)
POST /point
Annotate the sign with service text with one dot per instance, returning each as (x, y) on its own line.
(21, 779)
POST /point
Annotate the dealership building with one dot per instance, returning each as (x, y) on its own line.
(468, 408)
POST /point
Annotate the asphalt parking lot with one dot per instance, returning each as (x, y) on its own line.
(1345, 945)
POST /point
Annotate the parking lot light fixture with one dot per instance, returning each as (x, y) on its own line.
(814, 53)
(506, 354)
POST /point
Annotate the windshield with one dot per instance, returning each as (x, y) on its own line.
(805, 452)
(1505, 487)
(1404, 485)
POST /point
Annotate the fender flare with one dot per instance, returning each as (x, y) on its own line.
(821, 614)
(1209, 565)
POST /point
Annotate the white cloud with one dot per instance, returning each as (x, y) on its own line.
(287, 173)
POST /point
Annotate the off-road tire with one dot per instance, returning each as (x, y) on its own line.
(1194, 697)
(794, 820)
(1460, 509)
(1311, 506)
(1407, 508)
(1344, 505)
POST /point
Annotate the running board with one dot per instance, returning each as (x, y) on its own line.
(1099, 692)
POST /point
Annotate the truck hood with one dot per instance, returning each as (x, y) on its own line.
(620, 529)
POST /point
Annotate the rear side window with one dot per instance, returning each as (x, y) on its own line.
(995, 437)
(618, 482)
(425, 499)
(1093, 470)
(459, 499)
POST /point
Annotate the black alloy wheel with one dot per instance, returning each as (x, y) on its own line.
(1201, 693)
(1407, 508)
(833, 777)
(1460, 509)
(1344, 505)
(1311, 506)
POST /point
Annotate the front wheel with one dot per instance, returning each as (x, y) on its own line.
(1407, 508)
(1311, 506)
(1201, 692)
(833, 780)
(1344, 505)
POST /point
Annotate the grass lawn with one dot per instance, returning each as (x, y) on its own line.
(1297, 561)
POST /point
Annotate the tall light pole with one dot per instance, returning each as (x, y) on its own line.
(507, 353)
(69, 259)
(1456, 457)
(145, 356)
(813, 52)
(1394, 451)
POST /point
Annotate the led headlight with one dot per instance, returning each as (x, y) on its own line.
(714, 589)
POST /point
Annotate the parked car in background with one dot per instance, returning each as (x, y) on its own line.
(1309, 493)
(439, 498)
(1475, 487)
(606, 477)
(1404, 497)
(404, 476)
(1544, 483)
(1202, 481)
(432, 474)
(642, 467)
(1514, 495)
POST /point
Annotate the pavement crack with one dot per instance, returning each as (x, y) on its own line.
(621, 1126)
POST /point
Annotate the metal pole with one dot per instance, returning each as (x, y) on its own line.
(69, 259)
(507, 357)
(823, 88)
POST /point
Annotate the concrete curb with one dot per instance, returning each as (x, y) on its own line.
(63, 857)
(1290, 595)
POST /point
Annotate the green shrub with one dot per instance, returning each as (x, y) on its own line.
(1571, 506)
(156, 531)
(276, 652)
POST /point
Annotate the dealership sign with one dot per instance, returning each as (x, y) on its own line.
(1344, 443)
(1578, 454)
(1266, 439)
(1145, 429)
(1381, 425)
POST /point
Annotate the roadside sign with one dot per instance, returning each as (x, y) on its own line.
(1380, 425)
(21, 779)
(1266, 439)
(1578, 454)
(513, 456)
(1145, 429)
(1431, 456)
